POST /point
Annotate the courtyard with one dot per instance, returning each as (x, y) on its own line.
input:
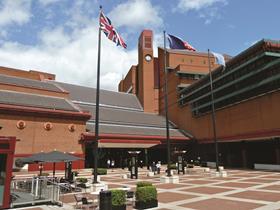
(241, 189)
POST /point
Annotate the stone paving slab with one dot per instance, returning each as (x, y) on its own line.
(237, 184)
(167, 197)
(207, 190)
(201, 182)
(221, 204)
(272, 187)
(260, 180)
(258, 195)
(170, 186)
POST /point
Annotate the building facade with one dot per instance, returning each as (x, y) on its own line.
(246, 97)
(46, 115)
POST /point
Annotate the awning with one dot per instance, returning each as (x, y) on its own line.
(127, 143)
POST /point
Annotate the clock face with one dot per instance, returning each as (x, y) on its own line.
(148, 58)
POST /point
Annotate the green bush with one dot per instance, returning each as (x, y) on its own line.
(190, 165)
(146, 194)
(144, 184)
(101, 171)
(173, 167)
(118, 197)
(45, 174)
(82, 180)
(196, 163)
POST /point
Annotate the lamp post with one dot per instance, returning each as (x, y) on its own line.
(180, 154)
(213, 113)
(166, 109)
(134, 164)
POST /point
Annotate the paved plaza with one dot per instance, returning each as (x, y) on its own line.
(242, 189)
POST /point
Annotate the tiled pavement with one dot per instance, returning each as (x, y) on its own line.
(242, 189)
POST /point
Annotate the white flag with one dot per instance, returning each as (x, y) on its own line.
(219, 59)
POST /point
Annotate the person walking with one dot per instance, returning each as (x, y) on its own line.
(158, 165)
(108, 163)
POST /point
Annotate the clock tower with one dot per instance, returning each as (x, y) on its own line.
(145, 72)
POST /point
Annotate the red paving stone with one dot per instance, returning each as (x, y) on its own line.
(259, 180)
(201, 181)
(169, 186)
(167, 197)
(67, 198)
(110, 186)
(207, 190)
(243, 175)
(224, 178)
(257, 195)
(272, 187)
(236, 184)
(272, 177)
(221, 204)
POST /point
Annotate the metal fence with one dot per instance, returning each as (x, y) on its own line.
(31, 191)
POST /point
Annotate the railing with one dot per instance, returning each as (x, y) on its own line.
(36, 190)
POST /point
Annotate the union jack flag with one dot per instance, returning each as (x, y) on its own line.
(109, 30)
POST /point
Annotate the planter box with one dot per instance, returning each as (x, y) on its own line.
(119, 207)
(143, 205)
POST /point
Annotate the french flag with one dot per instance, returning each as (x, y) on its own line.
(177, 43)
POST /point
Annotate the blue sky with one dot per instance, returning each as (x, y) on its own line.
(60, 36)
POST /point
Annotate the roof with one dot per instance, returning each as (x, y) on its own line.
(109, 98)
(38, 101)
(30, 83)
(125, 117)
(134, 130)
(120, 113)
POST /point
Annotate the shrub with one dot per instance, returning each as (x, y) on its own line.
(190, 166)
(173, 167)
(146, 194)
(101, 171)
(82, 180)
(196, 163)
(144, 184)
(118, 197)
(45, 174)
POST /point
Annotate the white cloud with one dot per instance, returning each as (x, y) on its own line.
(207, 9)
(187, 5)
(72, 57)
(70, 49)
(136, 13)
(48, 2)
(14, 12)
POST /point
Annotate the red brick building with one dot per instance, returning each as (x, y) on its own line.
(47, 115)
(246, 98)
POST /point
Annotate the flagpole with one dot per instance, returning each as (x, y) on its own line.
(95, 149)
(213, 114)
(166, 108)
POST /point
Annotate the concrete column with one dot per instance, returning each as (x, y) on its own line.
(146, 158)
(244, 155)
(277, 155)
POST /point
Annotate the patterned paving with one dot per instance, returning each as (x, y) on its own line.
(242, 189)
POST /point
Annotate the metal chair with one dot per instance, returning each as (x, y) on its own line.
(88, 204)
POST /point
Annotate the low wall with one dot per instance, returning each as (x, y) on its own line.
(270, 167)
